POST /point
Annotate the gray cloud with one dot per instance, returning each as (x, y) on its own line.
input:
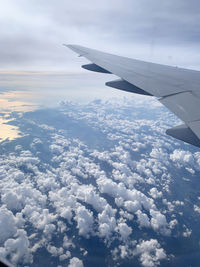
(32, 32)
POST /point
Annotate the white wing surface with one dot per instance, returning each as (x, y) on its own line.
(178, 89)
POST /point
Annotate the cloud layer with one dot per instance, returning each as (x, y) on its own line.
(96, 173)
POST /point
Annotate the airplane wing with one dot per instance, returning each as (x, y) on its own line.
(176, 88)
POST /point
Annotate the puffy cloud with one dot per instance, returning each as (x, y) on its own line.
(123, 251)
(132, 206)
(197, 208)
(182, 157)
(65, 256)
(87, 194)
(85, 221)
(18, 176)
(187, 232)
(159, 222)
(102, 188)
(119, 190)
(133, 201)
(7, 224)
(40, 219)
(54, 250)
(143, 219)
(186, 159)
(56, 149)
(124, 230)
(173, 223)
(75, 262)
(158, 153)
(18, 248)
(107, 221)
(150, 253)
(49, 229)
(155, 193)
(67, 242)
(12, 201)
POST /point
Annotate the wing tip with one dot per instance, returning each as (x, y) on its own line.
(77, 49)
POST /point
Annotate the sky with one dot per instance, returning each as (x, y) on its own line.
(32, 32)
(37, 70)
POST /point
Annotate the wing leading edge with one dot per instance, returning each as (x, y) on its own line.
(176, 88)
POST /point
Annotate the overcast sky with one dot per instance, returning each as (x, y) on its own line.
(32, 32)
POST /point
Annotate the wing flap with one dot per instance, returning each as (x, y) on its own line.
(126, 86)
(195, 126)
(95, 68)
(184, 133)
